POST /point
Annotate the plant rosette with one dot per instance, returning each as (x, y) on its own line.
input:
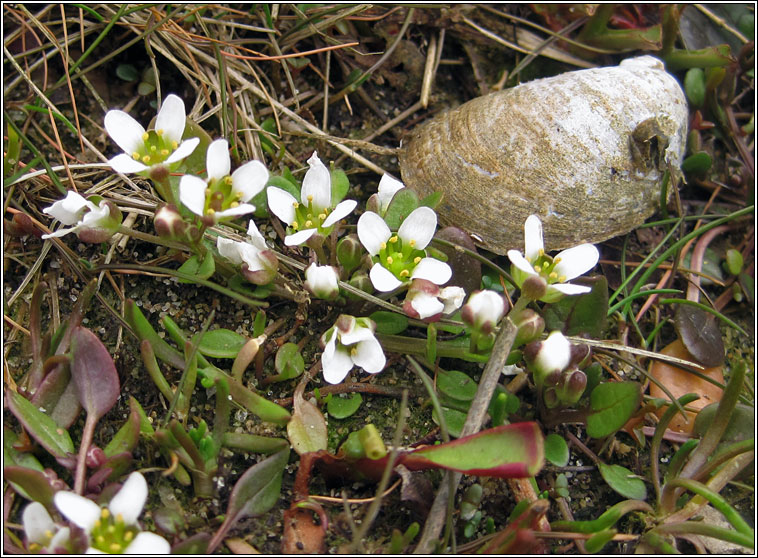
(542, 277)
(314, 213)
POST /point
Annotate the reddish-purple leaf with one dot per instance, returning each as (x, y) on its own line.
(94, 373)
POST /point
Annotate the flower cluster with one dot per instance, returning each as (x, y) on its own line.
(94, 219)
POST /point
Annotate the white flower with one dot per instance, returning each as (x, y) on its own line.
(125, 507)
(401, 257)
(483, 310)
(322, 281)
(41, 531)
(92, 222)
(258, 263)
(351, 342)
(222, 195)
(426, 301)
(143, 150)
(566, 265)
(314, 213)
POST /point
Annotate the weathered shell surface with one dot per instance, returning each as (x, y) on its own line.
(585, 151)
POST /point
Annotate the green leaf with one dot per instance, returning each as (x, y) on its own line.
(284, 184)
(556, 450)
(623, 481)
(580, 314)
(202, 270)
(389, 323)
(31, 484)
(343, 407)
(145, 331)
(93, 373)
(260, 406)
(597, 541)
(221, 343)
(254, 494)
(509, 451)
(454, 420)
(307, 428)
(697, 163)
(612, 404)
(196, 162)
(734, 261)
(128, 435)
(127, 72)
(340, 185)
(694, 86)
(403, 203)
(23, 460)
(432, 200)
(456, 385)
(289, 362)
(41, 427)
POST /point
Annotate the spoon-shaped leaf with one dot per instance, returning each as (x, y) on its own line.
(94, 373)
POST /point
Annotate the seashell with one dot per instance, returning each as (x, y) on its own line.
(585, 151)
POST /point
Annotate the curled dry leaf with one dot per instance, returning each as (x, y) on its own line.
(680, 382)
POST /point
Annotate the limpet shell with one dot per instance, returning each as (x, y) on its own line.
(585, 151)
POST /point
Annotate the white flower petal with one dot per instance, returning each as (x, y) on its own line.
(249, 180)
(452, 298)
(59, 233)
(388, 186)
(256, 238)
(432, 270)
(426, 305)
(521, 262)
(60, 538)
(576, 261)
(281, 204)
(126, 165)
(69, 210)
(369, 356)
(79, 510)
(533, 243)
(383, 279)
(185, 149)
(251, 256)
(336, 365)
(554, 353)
(486, 307)
(321, 280)
(568, 288)
(171, 118)
(298, 238)
(317, 184)
(343, 209)
(94, 217)
(124, 130)
(192, 193)
(241, 209)
(147, 543)
(356, 335)
(37, 523)
(229, 249)
(419, 227)
(92, 550)
(217, 161)
(130, 500)
(373, 232)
